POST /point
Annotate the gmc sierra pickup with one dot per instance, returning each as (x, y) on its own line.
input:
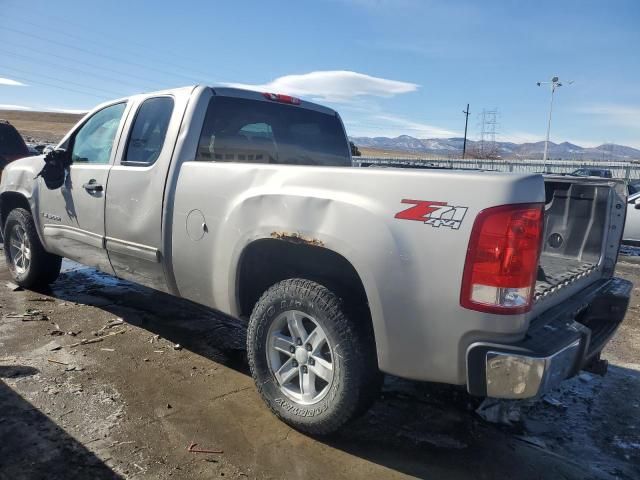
(247, 203)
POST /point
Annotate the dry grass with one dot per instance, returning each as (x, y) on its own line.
(41, 126)
(379, 152)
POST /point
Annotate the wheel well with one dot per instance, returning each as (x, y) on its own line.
(268, 261)
(9, 201)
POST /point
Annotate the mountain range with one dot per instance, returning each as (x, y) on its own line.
(452, 147)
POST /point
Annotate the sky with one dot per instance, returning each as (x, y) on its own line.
(390, 67)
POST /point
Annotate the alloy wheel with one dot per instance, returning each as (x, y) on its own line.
(19, 249)
(300, 357)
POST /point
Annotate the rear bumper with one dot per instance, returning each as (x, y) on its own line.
(557, 345)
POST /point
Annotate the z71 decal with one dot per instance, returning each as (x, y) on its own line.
(436, 214)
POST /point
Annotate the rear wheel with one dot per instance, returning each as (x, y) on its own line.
(29, 263)
(313, 366)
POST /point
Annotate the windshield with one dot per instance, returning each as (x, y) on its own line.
(252, 131)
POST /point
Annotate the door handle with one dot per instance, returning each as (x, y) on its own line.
(92, 186)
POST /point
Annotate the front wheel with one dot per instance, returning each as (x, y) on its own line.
(29, 263)
(314, 367)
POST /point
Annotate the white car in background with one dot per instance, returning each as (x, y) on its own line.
(632, 226)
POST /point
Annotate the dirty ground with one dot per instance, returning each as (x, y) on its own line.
(150, 376)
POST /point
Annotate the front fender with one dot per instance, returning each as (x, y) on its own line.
(19, 177)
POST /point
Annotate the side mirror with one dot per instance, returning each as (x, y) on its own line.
(56, 163)
(47, 149)
(637, 206)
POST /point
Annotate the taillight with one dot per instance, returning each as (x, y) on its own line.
(502, 259)
(279, 97)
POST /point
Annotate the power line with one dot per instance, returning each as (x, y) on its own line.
(49, 77)
(84, 39)
(80, 49)
(67, 67)
(38, 82)
(80, 62)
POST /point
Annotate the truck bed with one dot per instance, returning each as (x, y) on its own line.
(557, 272)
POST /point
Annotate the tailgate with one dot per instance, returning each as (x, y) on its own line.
(584, 221)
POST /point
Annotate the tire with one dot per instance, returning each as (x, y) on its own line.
(326, 399)
(29, 263)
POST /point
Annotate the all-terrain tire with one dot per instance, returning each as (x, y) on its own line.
(356, 377)
(43, 267)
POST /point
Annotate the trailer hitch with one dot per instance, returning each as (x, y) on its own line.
(597, 366)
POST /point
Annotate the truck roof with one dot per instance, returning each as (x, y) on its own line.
(226, 92)
(256, 95)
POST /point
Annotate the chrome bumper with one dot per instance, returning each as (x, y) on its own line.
(557, 345)
(521, 376)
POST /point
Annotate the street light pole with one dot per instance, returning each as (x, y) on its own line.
(546, 142)
(466, 121)
(554, 83)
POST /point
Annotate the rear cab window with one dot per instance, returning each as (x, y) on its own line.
(254, 131)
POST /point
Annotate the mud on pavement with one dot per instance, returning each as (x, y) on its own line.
(151, 375)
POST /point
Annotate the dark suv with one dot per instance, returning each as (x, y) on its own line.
(12, 145)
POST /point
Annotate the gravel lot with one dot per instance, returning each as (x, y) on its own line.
(168, 373)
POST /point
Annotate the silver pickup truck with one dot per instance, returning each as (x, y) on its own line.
(247, 203)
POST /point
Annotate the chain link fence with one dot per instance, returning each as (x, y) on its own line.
(623, 170)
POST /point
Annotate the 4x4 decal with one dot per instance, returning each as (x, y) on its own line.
(436, 214)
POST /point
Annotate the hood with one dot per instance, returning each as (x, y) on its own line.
(31, 164)
(10, 157)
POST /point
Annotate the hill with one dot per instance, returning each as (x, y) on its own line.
(452, 148)
(45, 127)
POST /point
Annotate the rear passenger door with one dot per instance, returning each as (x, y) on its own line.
(133, 213)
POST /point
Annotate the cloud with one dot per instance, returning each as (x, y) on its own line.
(6, 106)
(64, 110)
(611, 109)
(337, 86)
(519, 137)
(582, 142)
(384, 125)
(624, 115)
(11, 83)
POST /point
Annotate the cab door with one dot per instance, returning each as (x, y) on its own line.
(73, 215)
(136, 188)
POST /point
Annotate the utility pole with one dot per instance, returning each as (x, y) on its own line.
(554, 83)
(466, 122)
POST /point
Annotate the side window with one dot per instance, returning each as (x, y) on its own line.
(94, 141)
(149, 131)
